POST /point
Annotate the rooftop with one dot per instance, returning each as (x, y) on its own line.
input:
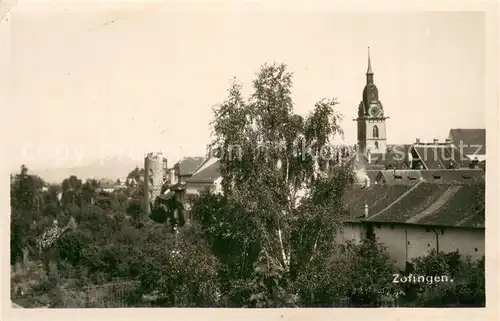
(207, 174)
(188, 165)
(438, 156)
(423, 203)
(474, 139)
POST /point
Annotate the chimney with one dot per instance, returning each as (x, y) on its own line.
(435, 141)
(417, 141)
(366, 210)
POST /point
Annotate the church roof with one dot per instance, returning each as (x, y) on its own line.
(369, 70)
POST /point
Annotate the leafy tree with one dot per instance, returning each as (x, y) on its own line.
(267, 285)
(181, 271)
(136, 175)
(466, 289)
(373, 272)
(89, 191)
(27, 205)
(26, 191)
(18, 241)
(359, 274)
(71, 189)
(278, 193)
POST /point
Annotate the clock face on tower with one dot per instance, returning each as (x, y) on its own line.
(375, 111)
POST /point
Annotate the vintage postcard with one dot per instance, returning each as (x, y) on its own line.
(262, 157)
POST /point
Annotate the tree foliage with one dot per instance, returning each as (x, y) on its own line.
(465, 285)
(267, 241)
(282, 185)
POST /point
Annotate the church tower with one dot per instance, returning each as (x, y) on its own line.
(371, 119)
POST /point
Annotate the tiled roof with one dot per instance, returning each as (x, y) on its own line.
(440, 156)
(454, 176)
(458, 210)
(206, 175)
(421, 203)
(188, 165)
(377, 197)
(396, 156)
(415, 202)
(460, 176)
(469, 137)
(398, 177)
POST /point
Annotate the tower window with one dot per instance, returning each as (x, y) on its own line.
(376, 145)
(375, 131)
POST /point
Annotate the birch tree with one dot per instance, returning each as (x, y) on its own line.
(281, 177)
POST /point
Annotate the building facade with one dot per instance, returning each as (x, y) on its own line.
(405, 242)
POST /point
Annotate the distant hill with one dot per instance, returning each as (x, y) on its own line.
(112, 168)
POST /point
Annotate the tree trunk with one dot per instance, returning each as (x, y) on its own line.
(283, 254)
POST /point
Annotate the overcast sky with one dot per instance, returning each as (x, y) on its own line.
(93, 79)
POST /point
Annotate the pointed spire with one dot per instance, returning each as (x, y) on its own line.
(369, 71)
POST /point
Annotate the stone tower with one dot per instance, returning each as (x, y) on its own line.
(371, 119)
(154, 170)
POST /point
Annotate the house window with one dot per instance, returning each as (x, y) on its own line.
(375, 131)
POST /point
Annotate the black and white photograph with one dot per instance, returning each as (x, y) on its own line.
(169, 154)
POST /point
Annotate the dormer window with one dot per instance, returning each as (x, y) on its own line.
(436, 176)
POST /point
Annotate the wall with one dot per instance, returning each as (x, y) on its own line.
(370, 141)
(419, 240)
(197, 188)
(405, 242)
(350, 232)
